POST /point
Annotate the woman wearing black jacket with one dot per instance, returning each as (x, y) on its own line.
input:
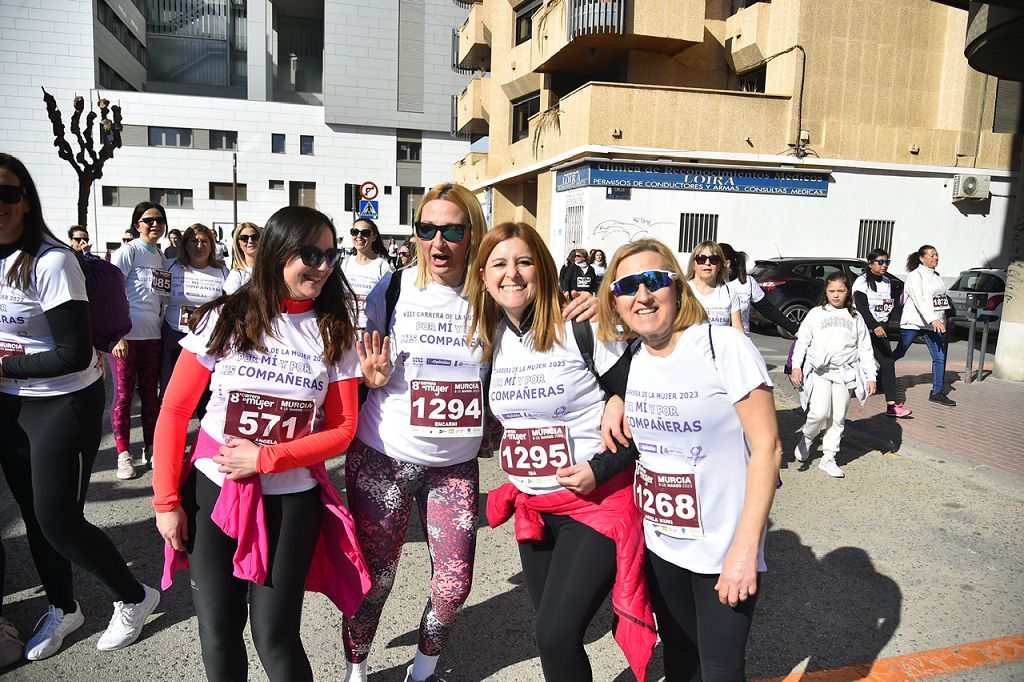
(577, 275)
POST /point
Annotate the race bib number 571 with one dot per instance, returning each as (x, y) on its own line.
(267, 420)
(668, 502)
(446, 409)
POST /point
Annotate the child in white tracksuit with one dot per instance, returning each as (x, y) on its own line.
(832, 354)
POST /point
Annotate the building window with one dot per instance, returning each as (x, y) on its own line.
(119, 30)
(170, 137)
(306, 145)
(221, 191)
(408, 200)
(573, 227)
(1009, 110)
(753, 81)
(276, 184)
(522, 110)
(874, 234)
(524, 20)
(695, 228)
(409, 151)
(109, 196)
(277, 143)
(224, 139)
(171, 198)
(112, 80)
(302, 194)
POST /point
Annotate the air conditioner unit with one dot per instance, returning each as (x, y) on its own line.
(967, 187)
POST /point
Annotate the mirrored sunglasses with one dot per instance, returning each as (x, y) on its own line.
(652, 279)
(450, 233)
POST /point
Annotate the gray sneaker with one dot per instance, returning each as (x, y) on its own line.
(803, 450)
(125, 469)
(12, 649)
(50, 632)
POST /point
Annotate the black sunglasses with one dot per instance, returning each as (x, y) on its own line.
(126, 240)
(702, 259)
(79, 239)
(404, 254)
(356, 232)
(154, 220)
(312, 257)
(450, 233)
(652, 279)
(882, 261)
(254, 238)
(12, 194)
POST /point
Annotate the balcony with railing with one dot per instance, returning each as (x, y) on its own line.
(474, 48)
(471, 115)
(587, 36)
(746, 43)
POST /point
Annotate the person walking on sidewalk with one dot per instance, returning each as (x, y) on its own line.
(925, 307)
(749, 292)
(832, 354)
(51, 407)
(874, 299)
(708, 277)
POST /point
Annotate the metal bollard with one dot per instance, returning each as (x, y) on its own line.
(984, 346)
(969, 373)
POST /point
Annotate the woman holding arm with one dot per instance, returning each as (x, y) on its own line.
(700, 408)
(708, 277)
(252, 513)
(569, 511)
(243, 255)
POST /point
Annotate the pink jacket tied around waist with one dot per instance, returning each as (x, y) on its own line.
(610, 511)
(337, 569)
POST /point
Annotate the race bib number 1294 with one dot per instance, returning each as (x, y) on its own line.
(446, 409)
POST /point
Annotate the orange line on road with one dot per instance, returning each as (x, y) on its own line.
(921, 665)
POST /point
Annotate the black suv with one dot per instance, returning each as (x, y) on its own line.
(793, 284)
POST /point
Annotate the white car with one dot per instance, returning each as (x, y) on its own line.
(988, 281)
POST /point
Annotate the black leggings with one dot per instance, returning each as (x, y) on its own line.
(47, 449)
(886, 365)
(275, 608)
(568, 575)
(703, 639)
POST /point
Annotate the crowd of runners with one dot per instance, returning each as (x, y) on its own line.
(624, 400)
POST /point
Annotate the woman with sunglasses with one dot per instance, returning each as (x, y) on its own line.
(700, 409)
(368, 266)
(252, 513)
(749, 293)
(197, 277)
(405, 253)
(577, 275)
(708, 277)
(571, 497)
(243, 255)
(875, 300)
(138, 355)
(420, 429)
(51, 406)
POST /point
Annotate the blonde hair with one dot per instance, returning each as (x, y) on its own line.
(485, 314)
(611, 326)
(722, 274)
(470, 207)
(237, 257)
(198, 228)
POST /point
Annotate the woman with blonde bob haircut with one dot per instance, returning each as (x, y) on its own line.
(699, 406)
(571, 496)
(243, 255)
(708, 276)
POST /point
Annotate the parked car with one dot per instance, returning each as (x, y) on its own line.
(793, 284)
(989, 281)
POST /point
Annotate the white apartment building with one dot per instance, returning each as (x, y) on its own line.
(312, 97)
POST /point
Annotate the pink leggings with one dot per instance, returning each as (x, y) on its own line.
(141, 362)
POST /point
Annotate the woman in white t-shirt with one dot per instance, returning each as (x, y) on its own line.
(700, 409)
(243, 255)
(708, 277)
(252, 512)
(749, 292)
(832, 355)
(368, 266)
(51, 407)
(138, 354)
(572, 507)
(197, 277)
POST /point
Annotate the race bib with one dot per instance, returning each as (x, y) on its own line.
(940, 302)
(266, 419)
(11, 348)
(885, 307)
(583, 283)
(532, 455)
(446, 409)
(160, 282)
(185, 315)
(668, 502)
(360, 307)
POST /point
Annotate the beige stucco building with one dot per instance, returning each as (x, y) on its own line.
(875, 97)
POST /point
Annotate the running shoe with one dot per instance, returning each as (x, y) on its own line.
(126, 623)
(829, 466)
(803, 449)
(125, 470)
(941, 399)
(12, 649)
(146, 460)
(898, 411)
(50, 632)
(434, 677)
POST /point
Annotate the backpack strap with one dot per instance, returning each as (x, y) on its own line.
(391, 299)
(584, 335)
(612, 382)
(711, 343)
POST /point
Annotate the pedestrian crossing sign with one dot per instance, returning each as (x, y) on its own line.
(368, 209)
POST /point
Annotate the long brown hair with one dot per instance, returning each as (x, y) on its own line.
(838, 276)
(34, 228)
(247, 316)
(548, 327)
(213, 261)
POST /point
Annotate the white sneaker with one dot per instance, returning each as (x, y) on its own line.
(803, 449)
(126, 623)
(433, 677)
(143, 461)
(125, 470)
(829, 466)
(12, 649)
(50, 632)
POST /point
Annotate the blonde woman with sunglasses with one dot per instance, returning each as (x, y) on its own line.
(708, 277)
(243, 255)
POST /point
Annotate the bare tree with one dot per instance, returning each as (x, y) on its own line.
(88, 163)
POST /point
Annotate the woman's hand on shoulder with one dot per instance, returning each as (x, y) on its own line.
(173, 528)
(375, 359)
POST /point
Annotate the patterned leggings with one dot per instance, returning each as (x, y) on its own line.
(381, 492)
(142, 361)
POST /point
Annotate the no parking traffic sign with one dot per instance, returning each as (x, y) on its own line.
(368, 191)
